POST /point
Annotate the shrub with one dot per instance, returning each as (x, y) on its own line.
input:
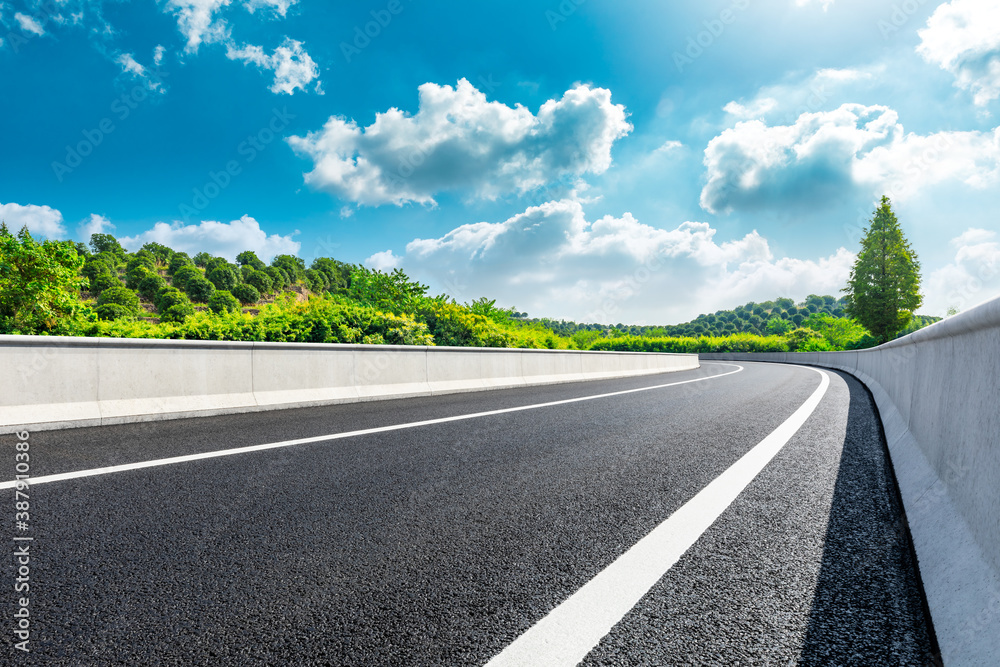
(202, 259)
(278, 277)
(223, 301)
(222, 277)
(168, 297)
(184, 275)
(179, 260)
(246, 293)
(137, 275)
(114, 311)
(150, 286)
(96, 265)
(102, 282)
(121, 296)
(249, 258)
(199, 289)
(178, 312)
(259, 280)
(141, 258)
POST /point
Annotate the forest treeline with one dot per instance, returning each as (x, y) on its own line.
(100, 289)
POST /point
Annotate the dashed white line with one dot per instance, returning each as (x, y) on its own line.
(570, 631)
(93, 472)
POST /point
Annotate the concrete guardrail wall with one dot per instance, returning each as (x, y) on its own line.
(938, 394)
(59, 382)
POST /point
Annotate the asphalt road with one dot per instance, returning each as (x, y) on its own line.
(442, 544)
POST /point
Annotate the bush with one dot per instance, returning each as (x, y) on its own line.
(259, 280)
(141, 258)
(178, 261)
(137, 275)
(178, 312)
(222, 277)
(249, 258)
(121, 296)
(223, 301)
(247, 294)
(279, 279)
(96, 265)
(170, 297)
(114, 311)
(103, 282)
(199, 289)
(202, 259)
(150, 286)
(184, 275)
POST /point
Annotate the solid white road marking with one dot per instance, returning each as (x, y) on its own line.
(570, 631)
(92, 472)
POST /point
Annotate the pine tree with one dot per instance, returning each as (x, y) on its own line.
(884, 287)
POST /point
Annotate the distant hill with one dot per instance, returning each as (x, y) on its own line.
(764, 318)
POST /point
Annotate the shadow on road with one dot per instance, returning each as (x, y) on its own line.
(869, 607)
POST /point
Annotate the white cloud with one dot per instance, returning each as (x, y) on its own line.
(29, 24)
(754, 109)
(40, 220)
(95, 224)
(158, 54)
(196, 19)
(552, 261)
(460, 141)
(962, 37)
(292, 66)
(134, 69)
(279, 7)
(383, 261)
(754, 164)
(971, 278)
(224, 239)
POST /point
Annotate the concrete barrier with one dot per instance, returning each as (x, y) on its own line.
(938, 394)
(55, 382)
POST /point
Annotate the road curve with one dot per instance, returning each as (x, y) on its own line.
(444, 542)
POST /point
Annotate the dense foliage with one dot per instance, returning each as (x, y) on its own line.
(155, 292)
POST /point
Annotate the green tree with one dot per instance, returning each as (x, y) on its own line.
(39, 282)
(250, 258)
(884, 287)
(222, 301)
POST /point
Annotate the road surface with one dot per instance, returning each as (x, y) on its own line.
(469, 528)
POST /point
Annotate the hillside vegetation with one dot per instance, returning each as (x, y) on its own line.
(66, 288)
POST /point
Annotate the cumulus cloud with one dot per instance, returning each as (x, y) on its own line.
(383, 261)
(95, 224)
(962, 37)
(753, 164)
(458, 140)
(971, 278)
(754, 109)
(552, 261)
(224, 239)
(40, 220)
(292, 66)
(197, 21)
(29, 24)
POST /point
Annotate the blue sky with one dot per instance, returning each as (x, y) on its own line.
(634, 162)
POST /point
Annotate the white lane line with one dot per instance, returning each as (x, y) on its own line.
(92, 472)
(572, 630)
